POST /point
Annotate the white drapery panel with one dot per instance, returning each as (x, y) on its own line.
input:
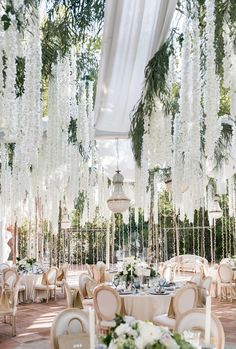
(133, 31)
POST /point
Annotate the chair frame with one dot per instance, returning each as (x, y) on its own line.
(179, 294)
(82, 316)
(221, 338)
(5, 271)
(90, 270)
(96, 306)
(48, 290)
(12, 311)
(226, 285)
(4, 264)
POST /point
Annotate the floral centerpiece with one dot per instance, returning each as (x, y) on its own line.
(25, 264)
(135, 334)
(133, 267)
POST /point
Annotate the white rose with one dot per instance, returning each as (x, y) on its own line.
(149, 332)
(123, 329)
(139, 343)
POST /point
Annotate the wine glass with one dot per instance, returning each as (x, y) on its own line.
(116, 282)
(136, 284)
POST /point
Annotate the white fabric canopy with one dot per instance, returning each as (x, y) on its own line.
(133, 31)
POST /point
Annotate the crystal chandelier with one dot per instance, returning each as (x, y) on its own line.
(118, 202)
(65, 220)
(216, 212)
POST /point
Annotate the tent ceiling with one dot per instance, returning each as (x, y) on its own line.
(133, 32)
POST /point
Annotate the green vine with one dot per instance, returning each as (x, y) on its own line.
(155, 85)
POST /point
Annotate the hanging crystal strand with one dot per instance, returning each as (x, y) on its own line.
(130, 236)
(119, 232)
(161, 234)
(230, 235)
(193, 229)
(214, 255)
(222, 234)
(184, 242)
(226, 227)
(174, 234)
(198, 224)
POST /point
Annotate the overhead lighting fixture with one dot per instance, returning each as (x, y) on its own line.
(118, 202)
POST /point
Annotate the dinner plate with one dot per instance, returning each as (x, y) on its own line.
(159, 293)
(125, 292)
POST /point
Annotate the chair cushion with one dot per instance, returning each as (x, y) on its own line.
(105, 323)
(59, 283)
(164, 320)
(87, 301)
(90, 286)
(22, 288)
(44, 287)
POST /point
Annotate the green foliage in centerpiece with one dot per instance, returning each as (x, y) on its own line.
(25, 264)
(134, 267)
(135, 334)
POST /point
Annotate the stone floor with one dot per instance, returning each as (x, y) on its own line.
(34, 323)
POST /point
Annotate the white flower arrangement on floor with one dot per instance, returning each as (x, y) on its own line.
(136, 334)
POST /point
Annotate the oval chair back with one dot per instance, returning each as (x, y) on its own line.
(51, 276)
(10, 278)
(107, 302)
(4, 266)
(167, 272)
(83, 279)
(185, 299)
(225, 273)
(194, 319)
(96, 274)
(69, 294)
(72, 320)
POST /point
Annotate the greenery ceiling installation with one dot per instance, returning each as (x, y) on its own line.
(157, 69)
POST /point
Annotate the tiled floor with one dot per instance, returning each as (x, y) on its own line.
(34, 322)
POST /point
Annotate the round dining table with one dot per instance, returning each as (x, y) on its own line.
(30, 280)
(144, 306)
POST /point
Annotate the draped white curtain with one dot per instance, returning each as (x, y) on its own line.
(133, 31)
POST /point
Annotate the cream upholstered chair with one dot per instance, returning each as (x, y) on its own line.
(48, 284)
(4, 266)
(9, 298)
(194, 319)
(11, 278)
(73, 297)
(69, 294)
(226, 280)
(107, 304)
(205, 288)
(184, 299)
(62, 275)
(76, 319)
(89, 270)
(96, 274)
(85, 284)
(196, 279)
(167, 273)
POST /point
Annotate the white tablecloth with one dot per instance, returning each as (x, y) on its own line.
(145, 307)
(29, 281)
(215, 278)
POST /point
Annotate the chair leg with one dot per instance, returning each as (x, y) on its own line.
(47, 295)
(13, 325)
